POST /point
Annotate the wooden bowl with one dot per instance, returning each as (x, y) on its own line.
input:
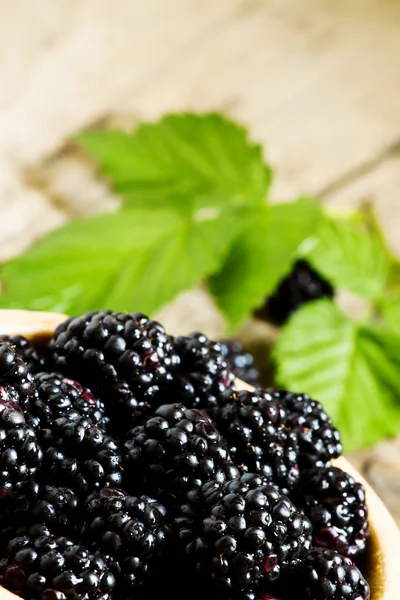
(382, 567)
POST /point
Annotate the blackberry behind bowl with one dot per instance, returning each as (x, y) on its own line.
(45, 567)
(177, 449)
(335, 504)
(80, 455)
(303, 284)
(240, 362)
(253, 424)
(326, 575)
(58, 396)
(20, 453)
(16, 381)
(319, 440)
(204, 372)
(245, 534)
(125, 358)
(133, 531)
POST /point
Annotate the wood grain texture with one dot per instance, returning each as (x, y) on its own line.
(316, 82)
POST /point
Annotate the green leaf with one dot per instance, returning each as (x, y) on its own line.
(262, 255)
(389, 309)
(354, 370)
(136, 260)
(193, 161)
(351, 258)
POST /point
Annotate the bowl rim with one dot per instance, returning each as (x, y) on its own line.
(385, 535)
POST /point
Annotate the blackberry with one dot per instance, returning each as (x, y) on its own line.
(79, 454)
(16, 382)
(133, 531)
(46, 567)
(326, 575)
(245, 534)
(125, 358)
(56, 507)
(335, 504)
(177, 449)
(240, 361)
(20, 453)
(58, 396)
(204, 372)
(319, 440)
(303, 284)
(253, 424)
(26, 351)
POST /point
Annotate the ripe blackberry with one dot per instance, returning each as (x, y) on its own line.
(58, 396)
(319, 440)
(240, 361)
(16, 382)
(133, 531)
(253, 424)
(46, 567)
(55, 507)
(246, 533)
(302, 285)
(326, 575)
(20, 453)
(26, 351)
(335, 504)
(177, 449)
(204, 372)
(79, 454)
(126, 358)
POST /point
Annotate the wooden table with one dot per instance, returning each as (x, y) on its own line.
(317, 82)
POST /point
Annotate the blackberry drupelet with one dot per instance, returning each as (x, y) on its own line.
(26, 351)
(335, 504)
(319, 440)
(240, 362)
(16, 381)
(20, 453)
(253, 424)
(326, 575)
(55, 507)
(58, 396)
(204, 372)
(125, 358)
(80, 455)
(133, 531)
(45, 567)
(245, 534)
(177, 449)
(302, 285)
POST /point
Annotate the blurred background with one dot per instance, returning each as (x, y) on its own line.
(317, 83)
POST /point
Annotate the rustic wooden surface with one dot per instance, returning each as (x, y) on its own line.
(316, 82)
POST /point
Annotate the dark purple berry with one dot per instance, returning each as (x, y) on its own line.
(127, 359)
(335, 504)
(240, 362)
(242, 534)
(204, 372)
(177, 449)
(133, 531)
(253, 424)
(302, 285)
(45, 567)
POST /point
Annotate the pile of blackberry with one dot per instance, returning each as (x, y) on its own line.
(132, 467)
